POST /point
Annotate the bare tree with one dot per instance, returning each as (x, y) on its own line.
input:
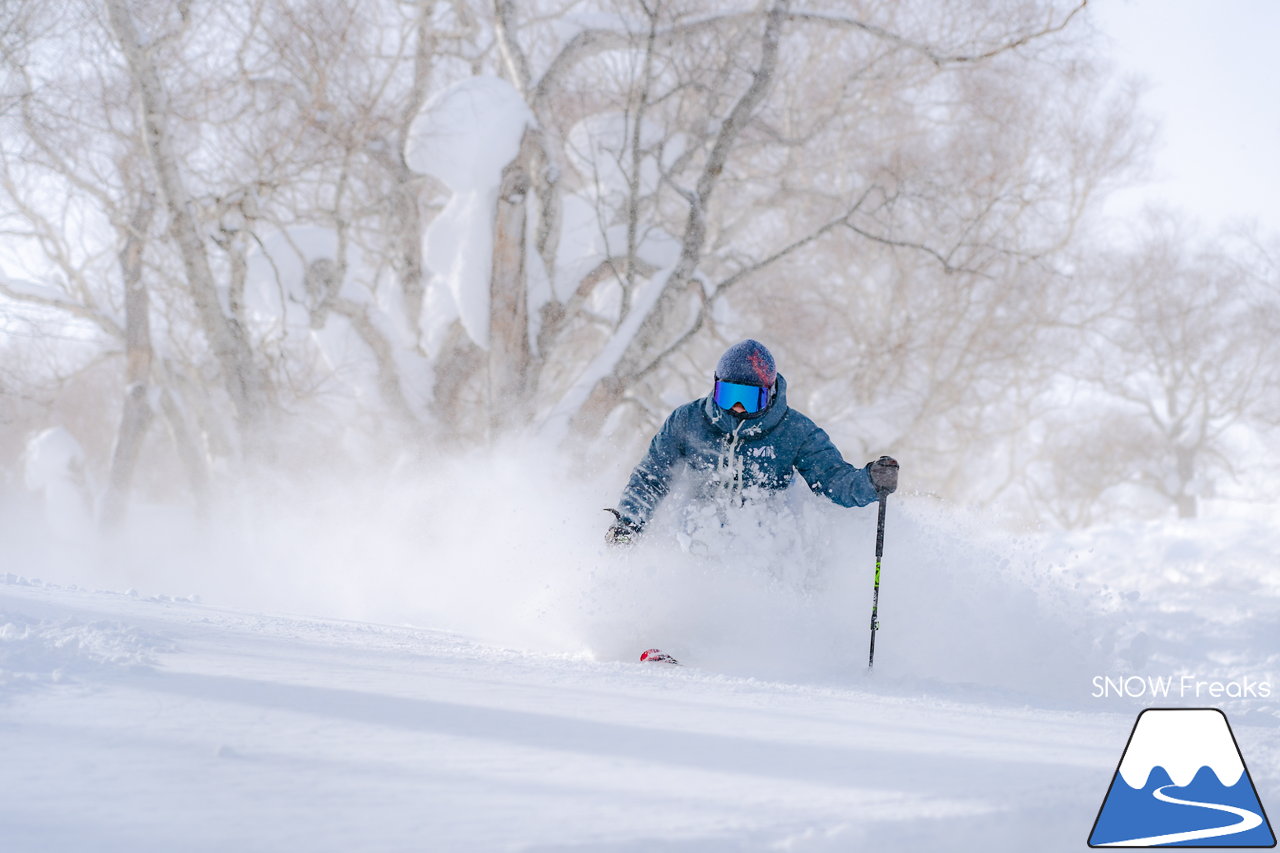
(896, 196)
(223, 329)
(986, 222)
(1187, 356)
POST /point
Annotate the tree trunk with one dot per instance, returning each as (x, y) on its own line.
(1185, 499)
(226, 338)
(390, 384)
(189, 453)
(509, 350)
(137, 414)
(458, 366)
(404, 199)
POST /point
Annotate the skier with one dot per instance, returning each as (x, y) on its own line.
(743, 439)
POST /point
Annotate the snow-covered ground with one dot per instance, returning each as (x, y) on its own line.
(470, 682)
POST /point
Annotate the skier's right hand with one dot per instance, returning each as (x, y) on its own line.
(622, 532)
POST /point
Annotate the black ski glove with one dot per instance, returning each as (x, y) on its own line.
(621, 533)
(884, 474)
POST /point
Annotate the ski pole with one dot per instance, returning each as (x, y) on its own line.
(875, 595)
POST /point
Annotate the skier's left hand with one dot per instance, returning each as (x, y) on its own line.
(884, 474)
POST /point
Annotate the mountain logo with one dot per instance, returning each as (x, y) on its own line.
(1182, 782)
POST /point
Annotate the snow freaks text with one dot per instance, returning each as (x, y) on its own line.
(1177, 687)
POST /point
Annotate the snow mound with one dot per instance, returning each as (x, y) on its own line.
(51, 456)
(54, 468)
(34, 651)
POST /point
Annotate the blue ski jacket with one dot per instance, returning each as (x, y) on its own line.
(726, 456)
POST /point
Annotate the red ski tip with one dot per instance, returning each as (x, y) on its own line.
(657, 656)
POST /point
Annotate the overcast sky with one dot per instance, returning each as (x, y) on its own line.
(1213, 67)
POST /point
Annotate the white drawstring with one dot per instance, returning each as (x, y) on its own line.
(730, 466)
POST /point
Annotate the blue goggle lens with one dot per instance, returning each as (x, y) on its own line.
(752, 397)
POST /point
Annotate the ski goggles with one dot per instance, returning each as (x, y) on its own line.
(752, 397)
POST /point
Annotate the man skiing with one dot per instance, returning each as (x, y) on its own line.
(743, 440)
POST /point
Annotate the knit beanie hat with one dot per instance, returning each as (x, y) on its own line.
(749, 363)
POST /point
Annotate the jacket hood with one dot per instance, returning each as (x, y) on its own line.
(727, 422)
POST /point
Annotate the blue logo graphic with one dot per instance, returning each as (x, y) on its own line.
(1182, 782)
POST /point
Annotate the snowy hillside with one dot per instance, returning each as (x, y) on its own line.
(136, 724)
(483, 693)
